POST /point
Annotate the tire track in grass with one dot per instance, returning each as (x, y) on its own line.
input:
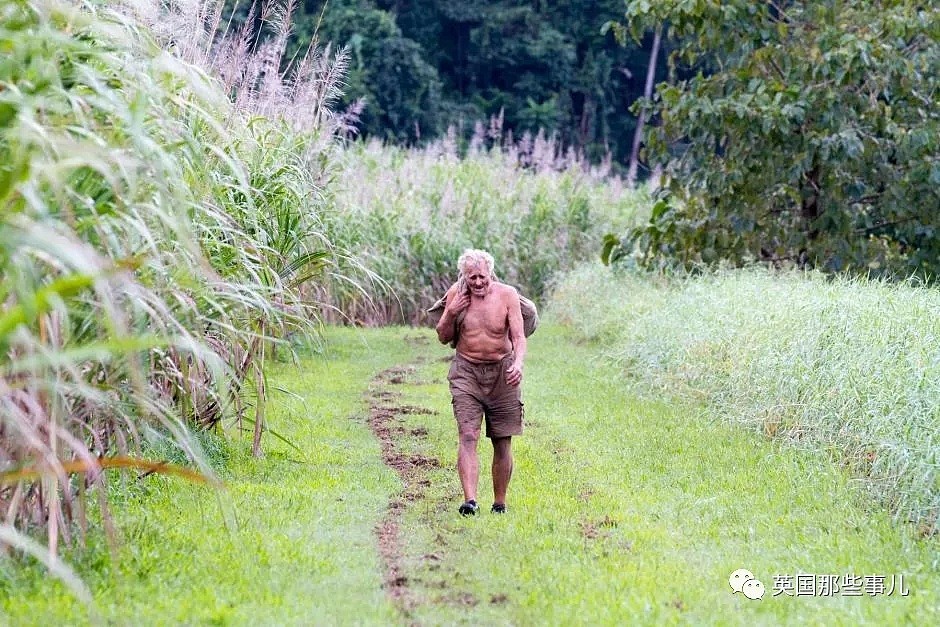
(386, 422)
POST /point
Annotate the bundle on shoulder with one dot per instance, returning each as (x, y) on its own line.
(530, 316)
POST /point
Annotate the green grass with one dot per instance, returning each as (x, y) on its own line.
(292, 538)
(845, 366)
(630, 510)
(622, 510)
(168, 208)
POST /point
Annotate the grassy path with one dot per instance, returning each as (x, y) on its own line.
(622, 511)
(625, 510)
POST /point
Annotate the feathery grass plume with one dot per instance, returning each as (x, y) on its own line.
(347, 121)
(255, 73)
(478, 138)
(845, 366)
(411, 213)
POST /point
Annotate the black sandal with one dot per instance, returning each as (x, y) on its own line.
(469, 508)
(498, 508)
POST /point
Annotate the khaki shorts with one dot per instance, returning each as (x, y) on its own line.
(480, 390)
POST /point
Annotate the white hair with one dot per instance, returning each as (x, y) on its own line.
(474, 257)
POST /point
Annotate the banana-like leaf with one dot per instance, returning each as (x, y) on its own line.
(611, 242)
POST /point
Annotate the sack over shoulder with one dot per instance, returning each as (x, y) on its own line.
(530, 316)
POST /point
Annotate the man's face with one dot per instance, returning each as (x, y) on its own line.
(478, 278)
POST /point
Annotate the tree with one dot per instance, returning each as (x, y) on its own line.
(422, 65)
(808, 133)
(402, 91)
(543, 64)
(647, 93)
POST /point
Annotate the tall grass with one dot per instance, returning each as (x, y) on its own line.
(159, 225)
(409, 213)
(847, 366)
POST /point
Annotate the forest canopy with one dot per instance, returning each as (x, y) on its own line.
(422, 66)
(791, 132)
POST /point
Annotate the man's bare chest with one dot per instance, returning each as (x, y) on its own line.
(487, 317)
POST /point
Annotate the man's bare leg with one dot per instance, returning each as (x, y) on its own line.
(502, 468)
(468, 464)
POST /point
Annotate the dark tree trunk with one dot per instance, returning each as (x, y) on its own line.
(641, 121)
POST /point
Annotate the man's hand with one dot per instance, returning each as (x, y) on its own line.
(514, 374)
(457, 304)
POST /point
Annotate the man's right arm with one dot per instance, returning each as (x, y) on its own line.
(446, 326)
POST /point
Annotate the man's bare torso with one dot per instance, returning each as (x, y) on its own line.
(484, 333)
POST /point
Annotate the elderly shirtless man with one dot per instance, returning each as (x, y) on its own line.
(486, 373)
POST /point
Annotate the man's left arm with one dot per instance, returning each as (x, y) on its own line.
(517, 337)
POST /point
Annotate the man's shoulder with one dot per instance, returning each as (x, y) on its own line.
(506, 292)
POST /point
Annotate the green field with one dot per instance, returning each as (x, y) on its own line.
(184, 199)
(622, 509)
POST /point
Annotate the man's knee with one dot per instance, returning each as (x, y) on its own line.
(469, 437)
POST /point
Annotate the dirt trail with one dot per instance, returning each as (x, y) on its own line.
(385, 420)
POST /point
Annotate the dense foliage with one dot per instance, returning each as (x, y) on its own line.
(156, 237)
(423, 65)
(173, 209)
(809, 134)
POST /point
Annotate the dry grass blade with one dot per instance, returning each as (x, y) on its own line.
(108, 463)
